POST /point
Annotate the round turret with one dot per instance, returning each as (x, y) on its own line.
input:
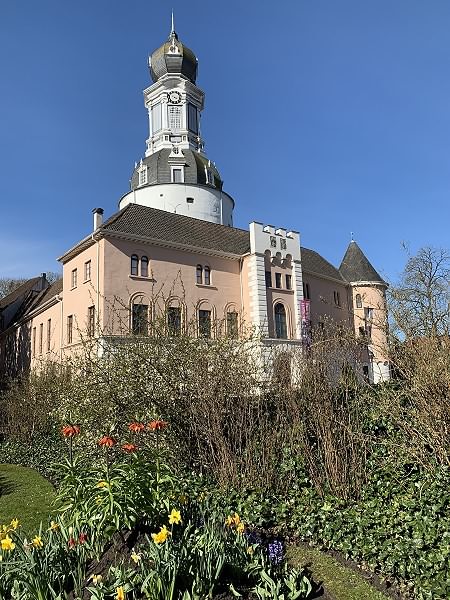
(174, 58)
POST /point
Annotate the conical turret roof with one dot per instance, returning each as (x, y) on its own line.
(355, 266)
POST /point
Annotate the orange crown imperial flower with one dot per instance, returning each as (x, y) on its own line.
(136, 427)
(70, 430)
(157, 425)
(107, 441)
(129, 448)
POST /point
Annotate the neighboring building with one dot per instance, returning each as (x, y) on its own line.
(172, 251)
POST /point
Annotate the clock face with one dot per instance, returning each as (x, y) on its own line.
(174, 97)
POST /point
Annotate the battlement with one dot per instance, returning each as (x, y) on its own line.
(277, 240)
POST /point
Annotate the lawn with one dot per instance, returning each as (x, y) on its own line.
(341, 582)
(25, 495)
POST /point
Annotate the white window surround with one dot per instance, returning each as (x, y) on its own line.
(173, 174)
(142, 175)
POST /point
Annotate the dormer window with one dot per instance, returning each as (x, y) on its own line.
(192, 118)
(177, 174)
(209, 177)
(142, 175)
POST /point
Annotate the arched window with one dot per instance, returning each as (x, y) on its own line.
(358, 301)
(199, 274)
(174, 320)
(232, 324)
(134, 264)
(139, 318)
(280, 321)
(144, 266)
(207, 276)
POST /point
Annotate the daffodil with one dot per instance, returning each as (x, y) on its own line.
(229, 521)
(175, 517)
(236, 519)
(120, 595)
(7, 543)
(54, 526)
(14, 524)
(102, 484)
(37, 541)
(161, 536)
(96, 579)
(240, 527)
(136, 558)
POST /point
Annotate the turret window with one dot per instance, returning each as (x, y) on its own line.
(177, 174)
(174, 117)
(143, 175)
(209, 176)
(192, 118)
(358, 301)
(156, 117)
(280, 321)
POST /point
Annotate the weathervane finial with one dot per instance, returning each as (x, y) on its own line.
(172, 31)
(351, 236)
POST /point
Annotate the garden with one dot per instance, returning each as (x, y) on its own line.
(188, 469)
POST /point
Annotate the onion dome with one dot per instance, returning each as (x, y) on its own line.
(173, 57)
(196, 167)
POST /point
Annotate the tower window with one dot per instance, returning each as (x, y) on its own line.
(278, 280)
(289, 282)
(204, 323)
(156, 117)
(143, 175)
(268, 279)
(144, 266)
(192, 118)
(358, 301)
(174, 117)
(280, 322)
(177, 175)
(134, 264)
(209, 177)
(190, 200)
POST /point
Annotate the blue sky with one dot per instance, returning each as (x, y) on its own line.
(322, 116)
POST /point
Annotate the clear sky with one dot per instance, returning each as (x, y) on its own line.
(322, 116)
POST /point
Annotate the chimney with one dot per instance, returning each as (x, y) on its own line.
(98, 217)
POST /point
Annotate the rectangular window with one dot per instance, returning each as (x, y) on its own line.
(289, 282)
(337, 298)
(49, 334)
(174, 320)
(174, 117)
(368, 313)
(156, 118)
(306, 294)
(268, 279)
(232, 324)
(74, 279)
(278, 280)
(177, 175)
(87, 270)
(143, 176)
(192, 118)
(204, 323)
(209, 177)
(69, 329)
(91, 321)
(41, 337)
(139, 319)
(34, 341)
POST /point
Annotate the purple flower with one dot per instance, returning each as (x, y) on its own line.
(275, 550)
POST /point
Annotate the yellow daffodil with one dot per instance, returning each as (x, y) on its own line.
(99, 500)
(175, 517)
(14, 524)
(236, 519)
(53, 526)
(229, 521)
(161, 536)
(240, 527)
(37, 541)
(96, 579)
(250, 550)
(120, 593)
(102, 484)
(7, 543)
(136, 558)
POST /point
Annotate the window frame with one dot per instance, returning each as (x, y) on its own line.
(33, 342)
(268, 278)
(41, 338)
(88, 270)
(144, 261)
(358, 301)
(139, 326)
(142, 175)
(199, 274)
(191, 111)
(232, 324)
(281, 327)
(69, 330)
(134, 265)
(204, 320)
(206, 275)
(288, 280)
(49, 333)
(176, 168)
(74, 278)
(306, 291)
(174, 325)
(278, 280)
(91, 320)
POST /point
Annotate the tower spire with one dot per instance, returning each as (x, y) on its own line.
(172, 30)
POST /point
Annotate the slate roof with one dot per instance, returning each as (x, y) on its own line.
(23, 290)
(50, 292)
(160, 225)
(355, 266)
(314, 263)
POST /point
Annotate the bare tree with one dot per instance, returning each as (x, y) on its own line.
(419, 303)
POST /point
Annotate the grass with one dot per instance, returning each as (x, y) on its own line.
(341, 582)
(25, 495)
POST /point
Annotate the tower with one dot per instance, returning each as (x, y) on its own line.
(175, 174)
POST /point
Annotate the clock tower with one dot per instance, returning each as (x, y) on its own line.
(175, 174)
